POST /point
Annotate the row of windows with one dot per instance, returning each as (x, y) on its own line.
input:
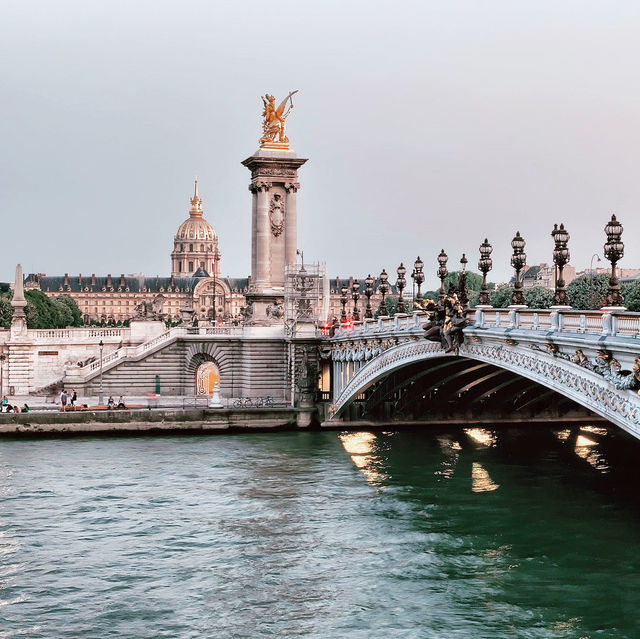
(202, 248)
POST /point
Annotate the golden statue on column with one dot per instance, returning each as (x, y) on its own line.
(273, 126)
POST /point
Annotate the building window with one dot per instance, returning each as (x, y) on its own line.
(191, 247)
(190, 267)
(202, 248)
(179, 267)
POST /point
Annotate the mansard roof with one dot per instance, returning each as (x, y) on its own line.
(125, 284)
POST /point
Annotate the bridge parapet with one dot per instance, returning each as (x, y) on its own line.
(591, 357)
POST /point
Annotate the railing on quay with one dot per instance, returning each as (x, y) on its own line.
(603, 322)
(79, 334)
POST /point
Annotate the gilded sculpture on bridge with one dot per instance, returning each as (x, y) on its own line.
(273, 124)
(447, 318)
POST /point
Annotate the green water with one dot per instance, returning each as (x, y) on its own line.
(467, 533)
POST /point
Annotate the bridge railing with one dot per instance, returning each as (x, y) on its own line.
(610, 323)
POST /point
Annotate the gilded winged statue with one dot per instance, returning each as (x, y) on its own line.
(273, 123)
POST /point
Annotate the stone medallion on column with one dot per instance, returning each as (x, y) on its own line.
(274, 184)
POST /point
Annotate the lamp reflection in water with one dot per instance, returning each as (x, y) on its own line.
(480, 480)
(361, 448)
(481, 436)
(587, 448)
(451, 450)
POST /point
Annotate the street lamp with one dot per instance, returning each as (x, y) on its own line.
(614, 252)
(418, 276)
(442, 272)
(355, 295)
(463, 293)
(100, 395)
(344, 296)
(401, 282)
(518, 261)
(485, 264)
(591, 300)
(561, 256)
(368, 291)
(383, 287)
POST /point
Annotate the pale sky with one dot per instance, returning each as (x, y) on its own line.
(427, 125)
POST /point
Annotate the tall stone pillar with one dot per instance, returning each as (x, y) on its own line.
(291, 231)
(20, 347)
(274, 183)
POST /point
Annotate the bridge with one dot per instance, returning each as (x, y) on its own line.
(519, 361)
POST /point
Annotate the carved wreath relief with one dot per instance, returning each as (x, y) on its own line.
(276, 214)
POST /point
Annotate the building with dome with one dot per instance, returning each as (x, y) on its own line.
(195, 245)
(195, 288)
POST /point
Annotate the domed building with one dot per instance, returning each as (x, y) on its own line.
(195, 245)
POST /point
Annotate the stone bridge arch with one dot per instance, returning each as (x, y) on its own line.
(199, 353)
(583, 386)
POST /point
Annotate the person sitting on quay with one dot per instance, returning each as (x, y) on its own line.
(4, 404)
(121, 403)
(110, 403)
(25, 408)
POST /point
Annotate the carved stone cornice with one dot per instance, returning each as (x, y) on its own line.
(291, 187)
(258, 186)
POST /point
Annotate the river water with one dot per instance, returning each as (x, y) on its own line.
(464, 533)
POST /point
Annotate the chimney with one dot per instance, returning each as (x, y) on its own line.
(122, 280)
(80, 279)
(93, 279)
(66, 279)
(109, 284)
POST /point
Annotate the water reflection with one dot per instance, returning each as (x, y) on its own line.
(361, 447)
(480, 480)
(481, 436)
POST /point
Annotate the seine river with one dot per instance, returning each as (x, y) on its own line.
(466, 533)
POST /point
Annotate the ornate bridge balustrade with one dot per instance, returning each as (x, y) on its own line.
(589, 357)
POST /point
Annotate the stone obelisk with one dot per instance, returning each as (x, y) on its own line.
(20, 347)
(274, 232)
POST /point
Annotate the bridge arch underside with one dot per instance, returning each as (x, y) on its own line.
(460, 389)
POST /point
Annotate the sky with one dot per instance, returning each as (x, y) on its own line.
(427, 125)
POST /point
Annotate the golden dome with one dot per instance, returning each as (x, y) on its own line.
(196, 227)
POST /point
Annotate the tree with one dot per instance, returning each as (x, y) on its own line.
(501, 297)
(70, 303)
(586, 292)
(538, 297)
(631, 293)
(6, 312)
(474, 281)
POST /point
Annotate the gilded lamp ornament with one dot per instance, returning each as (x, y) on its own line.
(273, 123)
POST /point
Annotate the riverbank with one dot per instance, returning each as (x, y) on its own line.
(127, 422)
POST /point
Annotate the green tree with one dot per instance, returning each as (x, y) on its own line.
(538, 297)
(70, 303)
(631, 292)
(6, 312)
(501, 297)
(44, 312)
(586, 292)
(474, 281)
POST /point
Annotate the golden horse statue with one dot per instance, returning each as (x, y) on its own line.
(273, 123)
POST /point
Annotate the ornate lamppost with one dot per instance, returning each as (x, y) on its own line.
(344, 297)
(383, 287)
(463, 292)
(485, 264)
(561, 257)
(518, 261)
(401, 282)
(442, 272)
(418, 276)
(100, 394)
(614, 252)
(368, 291)
(355, 295)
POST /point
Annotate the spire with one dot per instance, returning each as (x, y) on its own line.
(196, 201)
(18, 300)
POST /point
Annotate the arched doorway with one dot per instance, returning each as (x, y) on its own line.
(207, 375)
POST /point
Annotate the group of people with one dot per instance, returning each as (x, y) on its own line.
(111, 404)
(68, 398)
(6, 407)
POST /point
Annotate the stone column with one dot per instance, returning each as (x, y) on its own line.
(291, 226)
(263, 267)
